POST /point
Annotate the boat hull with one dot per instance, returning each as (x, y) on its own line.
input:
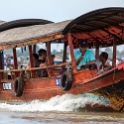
(45, 88)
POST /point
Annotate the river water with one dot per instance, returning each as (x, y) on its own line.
(65, 109)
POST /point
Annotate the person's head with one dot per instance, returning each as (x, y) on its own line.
(103, 56)
(83, 45)
(42, 54)
(35, 55)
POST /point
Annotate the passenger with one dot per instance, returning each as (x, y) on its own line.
(52, 60)
(103, 64)
(35, 56)
(41, 58)
(84, 56)
(51, 70)
(41, 62)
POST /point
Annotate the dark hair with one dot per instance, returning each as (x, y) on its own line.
(41, 52)
(83, 43)
(35, 55)
(104, 55)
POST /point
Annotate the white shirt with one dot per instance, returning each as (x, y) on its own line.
(99, 63)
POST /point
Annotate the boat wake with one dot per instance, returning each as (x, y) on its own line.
(66, 102)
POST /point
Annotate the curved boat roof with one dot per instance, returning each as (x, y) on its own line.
(22, 23)
(101, 26)
(2, 22)
(97, 19)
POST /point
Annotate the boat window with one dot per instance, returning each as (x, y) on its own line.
(40, 46)
(57, 50)
(8, 59)
(22, 57)
(119, 53)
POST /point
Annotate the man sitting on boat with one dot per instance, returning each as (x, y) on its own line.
(103, 64)
(41, 62)
(84, 56)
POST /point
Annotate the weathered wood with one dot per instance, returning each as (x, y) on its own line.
(97, 50)
(34, 48)
(15, 62)
(64, 52)
(37, 68)
(42, 39)
(48, 45)
(49, 59)
(64, 55)
(114, 52)
(31, 60)
(81, 84)
(1, 74)
(72, 52)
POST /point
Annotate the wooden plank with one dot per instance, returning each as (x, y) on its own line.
(15, 62)
(31, 60)
(37, 68)
(97, 50)
(49, 62)
(1, 74)
(64, 55)
(72, 52)
(48, 45)
(31, 41)
(64, 52)
(114, 52)
(34, 48)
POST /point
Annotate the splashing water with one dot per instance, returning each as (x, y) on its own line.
(66, 102)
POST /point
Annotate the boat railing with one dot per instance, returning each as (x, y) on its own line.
(17, 72)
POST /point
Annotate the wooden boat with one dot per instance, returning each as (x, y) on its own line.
(102, 28)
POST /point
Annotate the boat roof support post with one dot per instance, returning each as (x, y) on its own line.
(15, 61)
(31, 60)
(64, 55)
(114, 52)
(34, 48)
(1, 74)
(48, 45)
(64, 52)
(70, 42)
(97, 50)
